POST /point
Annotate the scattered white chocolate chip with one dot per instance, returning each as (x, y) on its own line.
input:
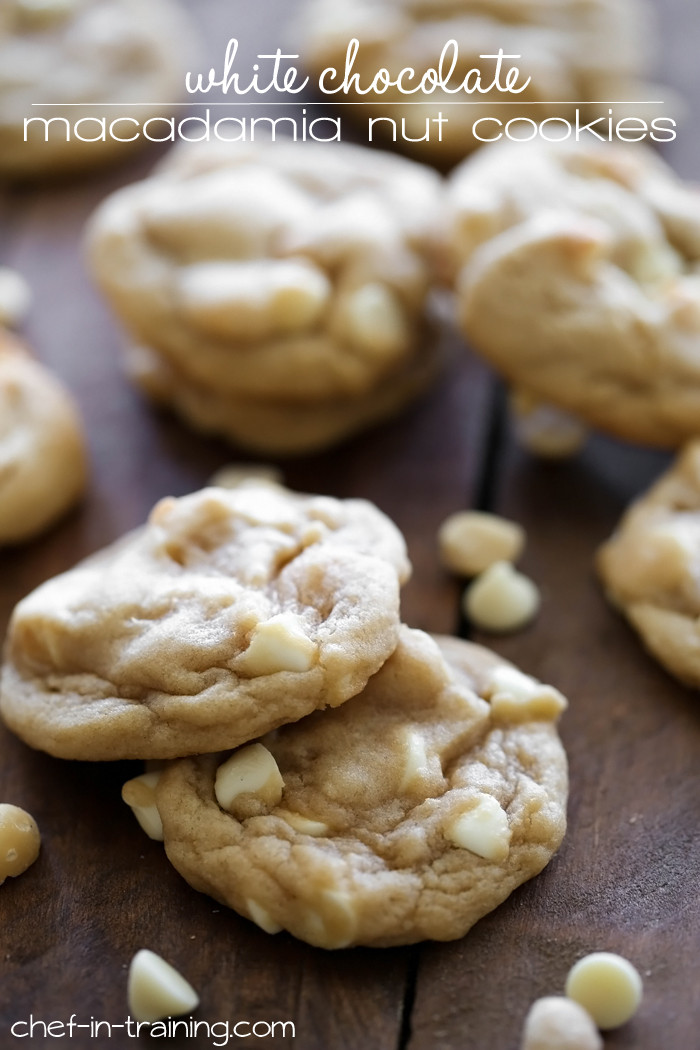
(140, 795)
(15, 297)
(515, 696)
(471, 540)
(304, 825)
(482, 830)
(416, 766)
(234, 475)
(250, 770)
(545, 430)
(556, 1023)
(501, 599)
(19, 840)
(156, 990)
(607, 986)
(261, 917)
(278, 644)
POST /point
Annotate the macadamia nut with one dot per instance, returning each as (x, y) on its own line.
(556, 1023)
(19, 840)
(278, 644)
(140, 794)
(607, 986)
(156, 990)
(517, 697)
(251, 770)
(501, 599)
(470, 541)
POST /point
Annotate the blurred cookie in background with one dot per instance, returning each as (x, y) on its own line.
(59, 59)
(578, 278)
(42, 450)
(556, 57)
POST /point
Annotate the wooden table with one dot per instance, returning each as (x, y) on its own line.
(626, 876)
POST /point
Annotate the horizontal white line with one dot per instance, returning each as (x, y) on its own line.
(479, 102)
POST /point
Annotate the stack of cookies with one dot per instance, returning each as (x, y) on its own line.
(384, 786)
(274, 292)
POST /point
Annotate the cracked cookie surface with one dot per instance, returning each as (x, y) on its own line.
(229, 613)
(405, 815)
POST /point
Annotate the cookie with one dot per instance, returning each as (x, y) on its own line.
(649, 567)
(229, 613)
(43, 461)
(278, 428)
(405, 815)
(67, 52)
(573, 53)
(278, 271)
(578, 280)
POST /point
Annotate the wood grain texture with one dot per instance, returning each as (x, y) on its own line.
(625, 878)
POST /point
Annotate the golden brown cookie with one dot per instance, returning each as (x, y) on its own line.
(276, 427)
(579, 279)
(43, 461)
(278, 271)
(229, 613)
(573, 54)
(649, 567)
(407, 814)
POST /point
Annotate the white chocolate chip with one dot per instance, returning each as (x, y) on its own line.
(415, 761)
(15, 297)
(156, 990)
(656, 263)
(501, 599)
(516, 697)
(338, 917)
(375, 320)
(304, 825)
(278, 644)
(261, 917)
(19, 840)
(140, 795)
(556, 1023)
(253, 300)
(250, 770)
(234, 475)
(545, 430)
(607, 986)
(470, 541)
(483, 830)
